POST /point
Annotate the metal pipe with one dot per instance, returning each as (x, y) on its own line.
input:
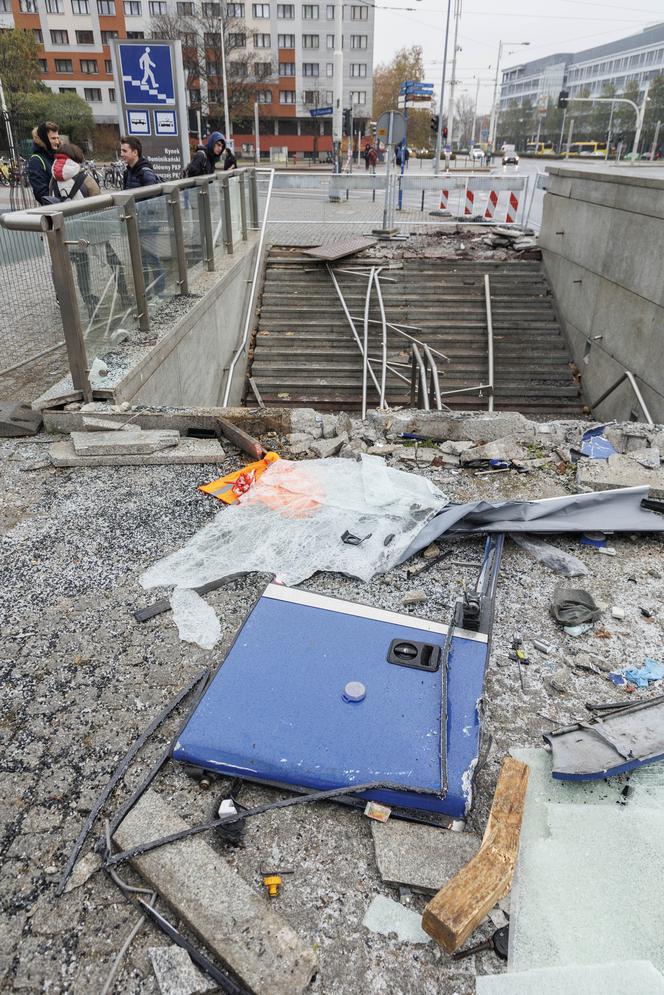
(365, 349)
(227, 216)
(419, 362)
(128, 215)
(383, 375)
(205, 223)
(627, 375)
(489, 335)
(175, 211)
(434, 376)
(65, 289)
(411, 338)
(252, 295)
(351, 322)
(243, 208)
(253, 196)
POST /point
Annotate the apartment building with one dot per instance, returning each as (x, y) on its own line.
(287, 47)
(638, 58)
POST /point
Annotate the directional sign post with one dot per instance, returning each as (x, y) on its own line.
(151, 101)
(322, 112)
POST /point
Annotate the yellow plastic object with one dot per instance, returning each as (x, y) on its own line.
(273, 883)
(229, 488)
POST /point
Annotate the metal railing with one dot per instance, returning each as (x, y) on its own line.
(107, 266)
(424, 382)
(629, 377)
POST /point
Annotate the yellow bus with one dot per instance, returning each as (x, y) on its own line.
(596, 149)
(539, 148)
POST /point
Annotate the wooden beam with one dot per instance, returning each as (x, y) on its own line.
(459, 907)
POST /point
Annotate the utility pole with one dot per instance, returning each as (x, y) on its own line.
(258, 137)
(439, 132)
(640, 115)
(653, 147)
(455, 48)
(477, 97)
(337, 115)
(224, 80)
(569, 136)
(608, 137)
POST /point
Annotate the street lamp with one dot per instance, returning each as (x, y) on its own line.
(224, 79)
(494, 106)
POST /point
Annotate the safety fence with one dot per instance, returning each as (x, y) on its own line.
(102, 271)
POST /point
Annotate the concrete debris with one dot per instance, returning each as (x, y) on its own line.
(176, 973)
(383, 449)
(233, 921)
(431, 551)
(18, 419)
(188, 451)
(420, 857)
(619, 471)
(304, 446)
(329, 426)
(131, 441)
(421, 455)
(503, 449)
(322, 448)
(105, 425)
(456, 448)
(416, 597)
(650, 458)
(83, 871)
(386, 916)
(307, 421)
(443, 426)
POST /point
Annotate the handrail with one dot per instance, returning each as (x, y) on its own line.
(365, 347)
(252, 295)
(351, 321)
(383, 375)
(629, 376)
(489, 335)
(418, 365)
(434, 376)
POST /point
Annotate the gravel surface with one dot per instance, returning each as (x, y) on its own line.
(82, 679)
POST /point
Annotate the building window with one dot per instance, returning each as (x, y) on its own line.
(310, 11)
(27, 6)
(211, 39)
(5, 7)
(286, 11)
(310, 41)
(286, 41)
(106, 8)
(111, 94)
(235, 9)
(287, 97)
(189, 39)
(59, 37)
(310, 69)
(85, 38)
(359, 13)
(64, 66)
(260, 9)
(262, 41)
(54, 7)
(329, 96)
(262, 69)
(237, 41)
(358, 41)
(136, 34)
(132, 8)
(43, 65)
(80, 7)
(263, 96)
(66, 89)
(92, 95)
(194, 98)
(286, 68)
(38, 35)
(211, 10)
(185, 9)
(212, 67)
(89, 67)
(358, 96)
(330, 41)
(358, 69)
(215, 96)
(329, 69)
(310, 97)
(108, 66)
(237, 70)
(157, 8)
(106, 36)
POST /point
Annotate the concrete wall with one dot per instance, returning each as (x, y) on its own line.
(602, 239)
(188, 367)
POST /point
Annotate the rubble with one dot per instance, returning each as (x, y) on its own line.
(176, 974)
(422, 858)
(187, 451)
(129, 441)
(619, 471)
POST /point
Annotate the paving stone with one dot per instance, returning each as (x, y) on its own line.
(328, 447)
(128, 442)
(233, 921)
(456, 448)
(619, 471)
(188, 451)
(177, 974)
(105, 425)
(421, 857)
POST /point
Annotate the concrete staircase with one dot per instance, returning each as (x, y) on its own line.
(305, 355)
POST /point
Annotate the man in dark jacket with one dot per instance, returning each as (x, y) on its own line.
(139, 171)
(45, 143)
(206, 157)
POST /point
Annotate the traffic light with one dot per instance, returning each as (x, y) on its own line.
(374, 129)
(444, 132)
(434, 123)
(563, 99)
(348, 121)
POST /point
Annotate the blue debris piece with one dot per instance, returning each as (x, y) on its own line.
(595, 445)
(645, 675)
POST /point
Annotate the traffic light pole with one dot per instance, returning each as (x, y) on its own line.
(639, 111)
(337, 115)
(439, 132)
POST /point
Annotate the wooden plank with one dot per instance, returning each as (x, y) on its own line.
(459, 907)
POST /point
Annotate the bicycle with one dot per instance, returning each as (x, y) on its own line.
(114, 175)
(91, 169)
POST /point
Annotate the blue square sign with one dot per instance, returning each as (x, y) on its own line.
(147, 74)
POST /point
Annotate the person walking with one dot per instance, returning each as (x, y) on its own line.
(139, 171)
(45, 144)
(205, 158)
(367, 149)
(372, 159)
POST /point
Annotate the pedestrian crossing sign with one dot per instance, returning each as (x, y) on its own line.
(147, 74)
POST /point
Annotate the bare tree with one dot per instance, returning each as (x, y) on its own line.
(464, 113)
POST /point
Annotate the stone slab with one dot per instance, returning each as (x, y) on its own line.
(420, 857)
(330, 251)
(177, 974)
(503, 449)
(124, 443)
(17, 418)
(105, 425)
(619, 471)
(187, 452)
(232, 920)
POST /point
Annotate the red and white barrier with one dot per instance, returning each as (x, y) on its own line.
(470, 200)
(491, 205)
(444, 197)
(512, 209)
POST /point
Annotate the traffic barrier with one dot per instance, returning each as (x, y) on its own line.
(444, 197)
(491, 205)
(510, 216)
(470, 201)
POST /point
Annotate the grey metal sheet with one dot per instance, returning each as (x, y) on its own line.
(330, 251)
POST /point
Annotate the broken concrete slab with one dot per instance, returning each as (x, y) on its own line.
(308, 421)
(177, 974)
(106, 425)
(17, 419)
(233, 921)
(189, 451)
(328, 447)
(422, 455)
(456, 448)
(421, 857)
(619, 471)
(443, 426)
(504, 449)
(122, 443)
(650, 458)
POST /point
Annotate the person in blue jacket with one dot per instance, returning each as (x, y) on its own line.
(139, 171)
(206, 156)
(45, 144)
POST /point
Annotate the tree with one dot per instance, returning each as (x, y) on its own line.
(200, 35)
(654, 113)
(70, 112)
(624, 118)
(20, 76)
(407, 64)
(600, 116)
(464, 113)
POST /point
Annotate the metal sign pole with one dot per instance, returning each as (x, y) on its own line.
(390, 131)
(257, 130)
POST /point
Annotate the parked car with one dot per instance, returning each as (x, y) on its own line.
(477, 154)
(510, 158)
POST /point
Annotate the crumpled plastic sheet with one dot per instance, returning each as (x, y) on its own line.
(555, 559)
(291, 521)
(643, 676)
(196, 620)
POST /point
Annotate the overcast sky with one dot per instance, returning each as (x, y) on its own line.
(548, 25)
